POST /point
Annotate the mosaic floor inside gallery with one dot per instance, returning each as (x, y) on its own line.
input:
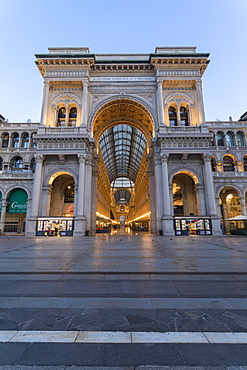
(123, 302)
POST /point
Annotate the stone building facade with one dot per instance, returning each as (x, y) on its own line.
(122, 145)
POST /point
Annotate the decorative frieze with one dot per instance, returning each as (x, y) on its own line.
(179, 72)
(122, 88)
(66, 73)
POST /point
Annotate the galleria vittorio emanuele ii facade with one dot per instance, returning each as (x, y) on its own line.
(122, 146)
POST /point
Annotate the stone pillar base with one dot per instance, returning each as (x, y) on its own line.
(167, 226)
(79, 226)
(216, 230)
(30, 227)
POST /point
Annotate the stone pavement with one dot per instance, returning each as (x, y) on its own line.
(165, 291)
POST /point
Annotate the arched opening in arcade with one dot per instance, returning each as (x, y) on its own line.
(59, 200)
(123, 130)
(232, 205)
(189, 205)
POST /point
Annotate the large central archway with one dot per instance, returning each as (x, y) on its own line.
(122, 129)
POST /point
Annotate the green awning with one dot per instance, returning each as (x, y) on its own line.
(18, 201)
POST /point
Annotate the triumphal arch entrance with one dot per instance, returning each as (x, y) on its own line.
(122, 145)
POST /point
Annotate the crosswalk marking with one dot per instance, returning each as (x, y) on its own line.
(42, 336)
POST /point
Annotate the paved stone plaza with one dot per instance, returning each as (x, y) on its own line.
(123, 302)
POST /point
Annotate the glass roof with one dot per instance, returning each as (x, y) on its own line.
(122, 196)
(122, 147)
(122, 182)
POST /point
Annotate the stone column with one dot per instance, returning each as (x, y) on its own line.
(153, 227)
(158, 193)
(31, 222)
(54, 115)
(165, 185)
(67, 115)
(94, 193)
(85, 103)
(201, 111)
(79, 115)
(46, 200)
(44, 103)
(243, 206)
(210, 196)
(200, 197)
(80, 218)
(178, 116)
(3, 216)
(160, 102)
(166, 115)
(218, 209)
(88, 194)
(240, 167)
(167, 220)
(36, 186)
(219, 166)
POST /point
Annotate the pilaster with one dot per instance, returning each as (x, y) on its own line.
(160, 102)
(210, 196)
(80, 221)
(3, 216)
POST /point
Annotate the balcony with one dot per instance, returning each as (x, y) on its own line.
(17, 173)
(230, 174)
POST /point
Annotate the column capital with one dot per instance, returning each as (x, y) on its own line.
(82, 158)
(160, 81)
(39, 158)
(207, 157)
(164, 158)
(157, 160)
(85, 83)
(46, 83)
(4, 202)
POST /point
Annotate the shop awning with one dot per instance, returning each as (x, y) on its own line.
(18, 201)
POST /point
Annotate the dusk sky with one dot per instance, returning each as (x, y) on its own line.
(29, 27)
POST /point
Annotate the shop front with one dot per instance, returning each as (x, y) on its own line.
(55, 226)
(16, 212)
(103, 226)
(192, 225)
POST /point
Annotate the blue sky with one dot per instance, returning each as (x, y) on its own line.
(29, 27)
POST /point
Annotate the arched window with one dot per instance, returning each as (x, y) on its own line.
(73, 112)
(184, 116)
(220, 139)
(32, 164)
(61, 115)
(1, 164)
(212, 143)
(228, 164)
(213, 164)
(25, 140)
(5, 140)
(72, 116)
(240, 138)
(15, 140)
(172, 116)
(33, 142)
(229, 139)
(61, 112)
(245, 163)
(16, 163)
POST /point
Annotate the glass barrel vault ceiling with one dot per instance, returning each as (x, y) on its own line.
(122, 148)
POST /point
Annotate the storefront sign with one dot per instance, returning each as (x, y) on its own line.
(69, 199)
(18, 201)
